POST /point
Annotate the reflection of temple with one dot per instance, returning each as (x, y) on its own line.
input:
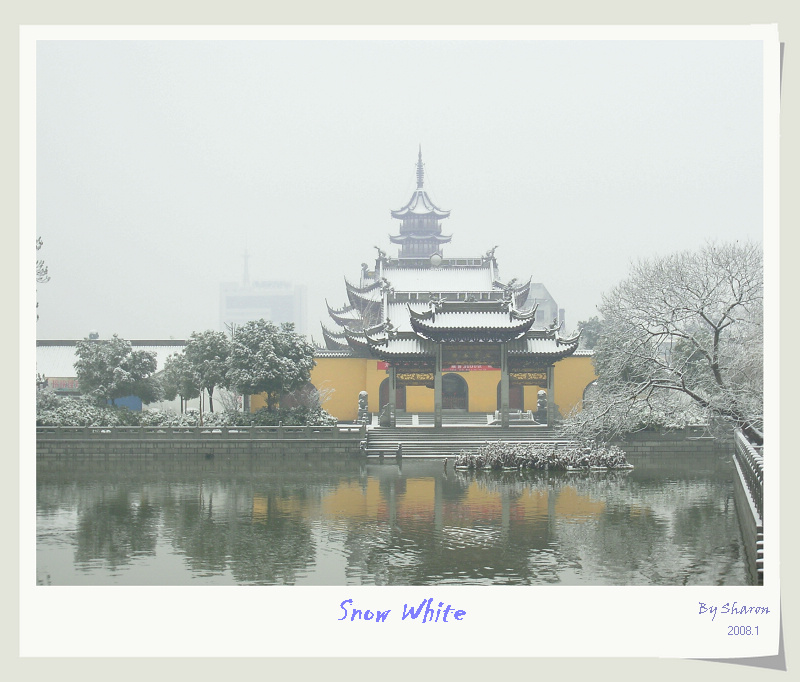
(447, 334)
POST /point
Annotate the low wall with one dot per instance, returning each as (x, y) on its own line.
(279, 441)
(687, 442)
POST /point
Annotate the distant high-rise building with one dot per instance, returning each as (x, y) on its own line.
(275, 301)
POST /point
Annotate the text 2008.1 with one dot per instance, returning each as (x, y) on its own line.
(742, 630)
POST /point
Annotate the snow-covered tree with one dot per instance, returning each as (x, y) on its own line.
(110, 369)
(42, 275)
(178, 379)
(269, 359)
(681, 341)
(207, 354)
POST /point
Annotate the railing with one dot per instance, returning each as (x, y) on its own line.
(516, 416)
(199, 432)
(751, 462)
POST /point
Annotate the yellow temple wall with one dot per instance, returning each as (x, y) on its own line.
(570, 378)
(349, 376)
(482, 390)
(419, 399)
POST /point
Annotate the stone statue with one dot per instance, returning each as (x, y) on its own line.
(362, 406)
(541, 406)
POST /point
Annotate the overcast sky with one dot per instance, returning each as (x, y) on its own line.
(159, 163)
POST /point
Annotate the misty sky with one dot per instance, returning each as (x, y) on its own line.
(159, 163)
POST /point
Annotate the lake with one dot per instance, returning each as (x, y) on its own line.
(267, 521)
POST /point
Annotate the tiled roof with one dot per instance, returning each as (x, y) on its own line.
(400, 346)
(443, 279)
(419, 237)
(398, 315)
(473, 320)
(326, 353)
(420, 204)
(539, 346)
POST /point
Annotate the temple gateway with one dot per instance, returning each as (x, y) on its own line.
(424, 333)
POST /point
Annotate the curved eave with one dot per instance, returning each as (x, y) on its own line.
(417, 315)
(527, 347)
(521, 294)
(357, 341)
(525, 315)
(516, 289)
(406, 238)
(345, 316)
(333, 341)
(362, 290)
(403, 348)
(489, 333)
(571, 340)
(420, 205)
(361, 302)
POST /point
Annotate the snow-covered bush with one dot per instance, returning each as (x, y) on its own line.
(53, 410)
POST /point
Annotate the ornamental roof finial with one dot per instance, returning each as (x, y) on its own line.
(420, 171)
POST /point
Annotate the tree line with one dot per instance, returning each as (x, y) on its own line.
(260, 357)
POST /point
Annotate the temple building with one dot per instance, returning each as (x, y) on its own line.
(426, 333)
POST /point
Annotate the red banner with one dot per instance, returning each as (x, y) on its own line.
(69, 384)
(453, 368)
(470, 368)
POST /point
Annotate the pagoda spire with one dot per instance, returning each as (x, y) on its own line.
(420, 231)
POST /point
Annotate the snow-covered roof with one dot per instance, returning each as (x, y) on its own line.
(552, 348)
(455, 278)
(57, 358)
(404, 346)
(420, 204)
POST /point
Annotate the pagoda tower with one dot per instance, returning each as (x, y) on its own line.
(420, 230)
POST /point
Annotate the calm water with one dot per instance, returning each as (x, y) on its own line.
(239, 521)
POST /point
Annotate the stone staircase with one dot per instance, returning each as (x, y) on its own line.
(448, 418)
(448, 441)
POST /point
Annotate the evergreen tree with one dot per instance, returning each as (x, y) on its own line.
(178, 379)
(269, 359)
(111, 369)
(207, 354)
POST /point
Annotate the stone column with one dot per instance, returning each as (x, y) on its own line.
(504, 385)
(551, 421)
(437, 388)
(392, 395)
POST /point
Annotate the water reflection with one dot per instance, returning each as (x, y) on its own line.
(243, 521)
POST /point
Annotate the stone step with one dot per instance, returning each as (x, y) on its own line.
(427, 418)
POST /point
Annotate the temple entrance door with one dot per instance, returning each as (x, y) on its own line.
(516, 397)
(400, 396)
(454, 393)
